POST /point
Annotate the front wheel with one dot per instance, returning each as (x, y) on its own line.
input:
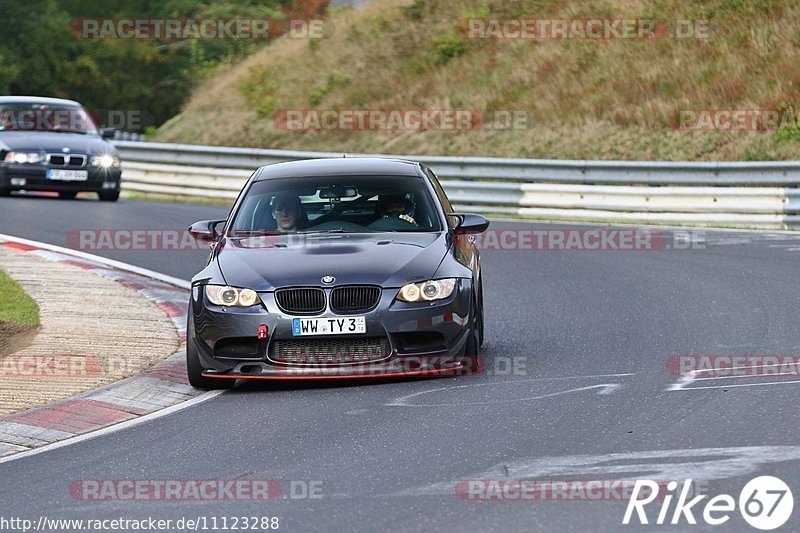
(5, 192)
(195, 371)
(473, 347)
(67, 195)
(194, 368)
(109, 196)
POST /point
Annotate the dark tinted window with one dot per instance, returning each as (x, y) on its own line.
(45, 117)
(338, 203)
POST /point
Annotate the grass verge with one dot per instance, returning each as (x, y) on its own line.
(15, 305)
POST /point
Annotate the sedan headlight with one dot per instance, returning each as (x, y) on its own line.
(105, 161)
(231, 297)
(32, 158)
(427, 291)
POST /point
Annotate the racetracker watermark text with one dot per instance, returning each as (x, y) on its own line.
(55, 366)
(737, 119)
(723, 365)
(584, 29)
(196, 29)
(532, 240)
(379, 119)
(196, 489)
(521, 490)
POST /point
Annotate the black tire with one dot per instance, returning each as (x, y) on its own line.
(5, 192)
(473, 347)
(68, 195)
(194, 368)
(480, 306)
(109, 196)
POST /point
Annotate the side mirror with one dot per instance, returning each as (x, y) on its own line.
(108, 133)
(205, 230)
(469, 224)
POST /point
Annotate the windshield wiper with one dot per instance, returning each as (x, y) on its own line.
(65, 131)
(245, 232)
(23, 130)
(323, 231)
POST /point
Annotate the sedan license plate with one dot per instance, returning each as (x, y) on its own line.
(344, 325)
(67, 175)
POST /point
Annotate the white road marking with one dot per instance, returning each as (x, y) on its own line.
(750, 376)
(699, 463)
(735, 386)
(683, 382)
(606, 388)
(102, 260)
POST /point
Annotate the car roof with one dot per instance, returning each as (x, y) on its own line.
(37, 100)
(339, 167)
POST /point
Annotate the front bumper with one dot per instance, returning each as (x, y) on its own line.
(426, 339)
(16, 177)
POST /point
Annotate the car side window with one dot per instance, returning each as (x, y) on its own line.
(448, 208)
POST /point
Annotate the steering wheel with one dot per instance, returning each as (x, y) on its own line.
(392, 224)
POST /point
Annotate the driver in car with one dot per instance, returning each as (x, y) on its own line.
(286, 210)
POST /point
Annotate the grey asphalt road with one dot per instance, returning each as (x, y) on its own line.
(589, 335)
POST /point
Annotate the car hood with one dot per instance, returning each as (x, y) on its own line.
(55, 142)
(390, 260)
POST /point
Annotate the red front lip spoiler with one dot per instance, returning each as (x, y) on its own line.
(299, 373)
(419, 373)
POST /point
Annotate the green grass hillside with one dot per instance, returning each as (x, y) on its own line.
(592, 99)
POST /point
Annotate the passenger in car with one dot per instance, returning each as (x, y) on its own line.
(396, 205)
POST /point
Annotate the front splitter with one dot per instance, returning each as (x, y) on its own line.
(455, 368)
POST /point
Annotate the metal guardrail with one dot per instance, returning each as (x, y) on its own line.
(736, 194)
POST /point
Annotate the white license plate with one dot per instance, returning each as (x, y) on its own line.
(67, 175)
(343, 325)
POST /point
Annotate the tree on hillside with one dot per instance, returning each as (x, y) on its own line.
(151, 77)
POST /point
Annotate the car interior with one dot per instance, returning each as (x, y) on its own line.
(343, 208)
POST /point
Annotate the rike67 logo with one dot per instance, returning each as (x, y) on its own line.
(765, 503)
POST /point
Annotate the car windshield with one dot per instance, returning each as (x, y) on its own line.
(23, 116)
(338, 204)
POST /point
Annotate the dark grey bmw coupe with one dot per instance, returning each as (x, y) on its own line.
(336, 268)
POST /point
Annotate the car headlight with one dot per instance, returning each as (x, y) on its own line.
(427, 291)
(231, 297)
(105, 161)
(32, 158)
